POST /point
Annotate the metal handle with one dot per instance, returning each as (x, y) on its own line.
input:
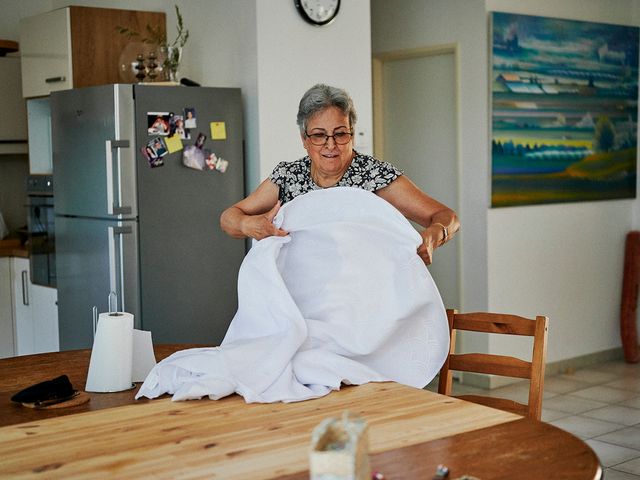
(94, 313)
(114, 208)
(116, 264)
(55, 79)
(25, 288)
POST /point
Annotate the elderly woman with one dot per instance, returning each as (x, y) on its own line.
(326, 118)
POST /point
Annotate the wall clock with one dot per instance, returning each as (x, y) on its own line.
(318, 12)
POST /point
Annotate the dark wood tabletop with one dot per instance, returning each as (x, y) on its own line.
(17, 373)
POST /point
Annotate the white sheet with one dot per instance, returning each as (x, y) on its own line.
(343, 298)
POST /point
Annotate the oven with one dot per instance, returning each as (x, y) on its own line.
(41, 230)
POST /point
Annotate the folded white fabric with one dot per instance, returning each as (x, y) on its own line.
(344, 298)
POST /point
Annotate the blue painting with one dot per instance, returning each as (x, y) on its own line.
(564, 110)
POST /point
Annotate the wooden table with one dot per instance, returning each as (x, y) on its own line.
(411, 431)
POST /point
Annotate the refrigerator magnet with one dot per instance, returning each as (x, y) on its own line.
(190, 118)
(221, 165)
(158, 123)
(176, 126)
(211, 160)
(174, 143)
(154, 151)
(200, 140)
(193, 157)
(218, 131)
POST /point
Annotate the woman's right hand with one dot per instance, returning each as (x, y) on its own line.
(261, 226)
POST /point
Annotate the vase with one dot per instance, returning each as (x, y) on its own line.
(172, 63)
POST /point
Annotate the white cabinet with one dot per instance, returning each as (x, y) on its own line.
(6, 310)
(35, 313)
(22, 317)
(13, 111)
(45, 44)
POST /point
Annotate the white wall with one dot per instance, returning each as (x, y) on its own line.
(563, 260)
(293, 56)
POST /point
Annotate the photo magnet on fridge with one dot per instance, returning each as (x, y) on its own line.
(190, 118)
(158, 123)
(176, 127)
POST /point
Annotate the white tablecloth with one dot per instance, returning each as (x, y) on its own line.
(343, 299)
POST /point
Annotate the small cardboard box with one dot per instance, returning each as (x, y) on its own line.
(340, 449)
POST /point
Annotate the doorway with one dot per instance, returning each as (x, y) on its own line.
(415, 109)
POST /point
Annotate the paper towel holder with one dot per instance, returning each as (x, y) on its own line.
(113, 296)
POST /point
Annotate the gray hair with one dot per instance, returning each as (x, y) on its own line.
(320, 97)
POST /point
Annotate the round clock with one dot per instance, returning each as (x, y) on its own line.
(318, 12)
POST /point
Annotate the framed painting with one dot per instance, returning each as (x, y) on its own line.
(564, 119)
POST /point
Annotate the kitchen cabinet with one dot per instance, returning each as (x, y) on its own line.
(78, 46)
(35, 313)
(6, 309)
(13, 111)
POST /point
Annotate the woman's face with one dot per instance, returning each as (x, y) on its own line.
(330, 158)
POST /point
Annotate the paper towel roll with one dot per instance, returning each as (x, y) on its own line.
(111, 357)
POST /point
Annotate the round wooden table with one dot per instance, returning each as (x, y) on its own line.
(411, 431)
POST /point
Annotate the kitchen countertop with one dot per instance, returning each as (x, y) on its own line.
(11, 247)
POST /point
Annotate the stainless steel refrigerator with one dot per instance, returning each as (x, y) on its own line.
(145, 226)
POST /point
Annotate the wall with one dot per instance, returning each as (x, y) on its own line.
(564, 261)
(293, 56)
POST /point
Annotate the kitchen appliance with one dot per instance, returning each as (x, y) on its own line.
(41, 230)
(145, 229)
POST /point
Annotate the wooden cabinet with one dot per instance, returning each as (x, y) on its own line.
(77, 46)
(13, 112)
(34, 312)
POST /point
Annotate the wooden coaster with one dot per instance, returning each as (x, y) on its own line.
(78, 398)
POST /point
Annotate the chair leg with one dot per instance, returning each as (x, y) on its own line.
(629, 304)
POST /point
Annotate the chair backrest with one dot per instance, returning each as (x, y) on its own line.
(498, 364)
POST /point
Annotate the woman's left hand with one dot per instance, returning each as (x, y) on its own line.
(430, 240)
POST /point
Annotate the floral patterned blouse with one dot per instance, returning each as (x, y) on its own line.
(365, 171)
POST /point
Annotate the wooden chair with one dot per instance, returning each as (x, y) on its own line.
(497, 364)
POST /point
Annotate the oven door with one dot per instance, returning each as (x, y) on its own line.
(41, 240)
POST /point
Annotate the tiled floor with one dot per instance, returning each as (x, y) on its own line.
(600, 404)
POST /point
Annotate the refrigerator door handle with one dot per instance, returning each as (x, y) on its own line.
(114, 208)
(116, 263)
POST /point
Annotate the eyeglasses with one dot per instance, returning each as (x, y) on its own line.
(321, 139)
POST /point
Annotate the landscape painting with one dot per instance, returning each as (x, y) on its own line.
(564, 110)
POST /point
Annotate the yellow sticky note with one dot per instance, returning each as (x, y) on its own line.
(218, 131)
(174, 143)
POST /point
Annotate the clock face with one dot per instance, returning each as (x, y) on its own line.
(318, 12)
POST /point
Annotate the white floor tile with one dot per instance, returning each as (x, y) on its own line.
(613, 474)
(615, 413)
(626, 437)
(570, 404)
(601, 393)
(588, 375)
(627, 383)
(632, 466)
(585, 427)
(561, 384)
(611, 455)
(632, 402)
